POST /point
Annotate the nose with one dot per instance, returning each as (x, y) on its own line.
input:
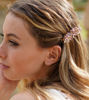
(2, 51)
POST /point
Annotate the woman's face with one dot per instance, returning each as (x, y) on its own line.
(19, 50)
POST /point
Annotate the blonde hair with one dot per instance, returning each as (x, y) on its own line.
(50, 21)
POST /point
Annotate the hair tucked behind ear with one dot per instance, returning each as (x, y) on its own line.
(50, 21)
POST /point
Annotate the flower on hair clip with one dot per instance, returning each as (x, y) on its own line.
(70, 35)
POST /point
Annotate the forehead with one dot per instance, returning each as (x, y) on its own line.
(14, 24)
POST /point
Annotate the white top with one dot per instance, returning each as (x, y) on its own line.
(57, 95)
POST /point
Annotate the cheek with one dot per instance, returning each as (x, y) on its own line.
(26, 63)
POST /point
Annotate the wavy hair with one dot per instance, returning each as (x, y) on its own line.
(50, 21)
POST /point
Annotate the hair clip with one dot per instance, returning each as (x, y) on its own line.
(70, 35)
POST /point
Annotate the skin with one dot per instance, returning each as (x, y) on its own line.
(26, 57)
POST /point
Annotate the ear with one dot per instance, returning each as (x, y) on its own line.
(53, 55)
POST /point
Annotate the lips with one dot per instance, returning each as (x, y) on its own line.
(3, 66)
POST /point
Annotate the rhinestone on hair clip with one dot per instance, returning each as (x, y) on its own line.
(70, 35)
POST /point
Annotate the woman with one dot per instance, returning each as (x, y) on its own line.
(42, 53)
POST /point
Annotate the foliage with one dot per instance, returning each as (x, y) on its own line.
(80, 4)
(83, 30)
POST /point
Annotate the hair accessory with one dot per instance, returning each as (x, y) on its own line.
(70, 35)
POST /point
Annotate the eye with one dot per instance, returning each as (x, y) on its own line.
(13, 43)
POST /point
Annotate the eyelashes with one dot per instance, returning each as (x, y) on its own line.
(13, 43)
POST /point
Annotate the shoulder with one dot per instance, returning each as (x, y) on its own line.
(23, 96)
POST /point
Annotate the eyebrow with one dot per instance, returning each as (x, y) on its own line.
(13, 35)
(10, 34)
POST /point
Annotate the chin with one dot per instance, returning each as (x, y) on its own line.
(10, 76)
